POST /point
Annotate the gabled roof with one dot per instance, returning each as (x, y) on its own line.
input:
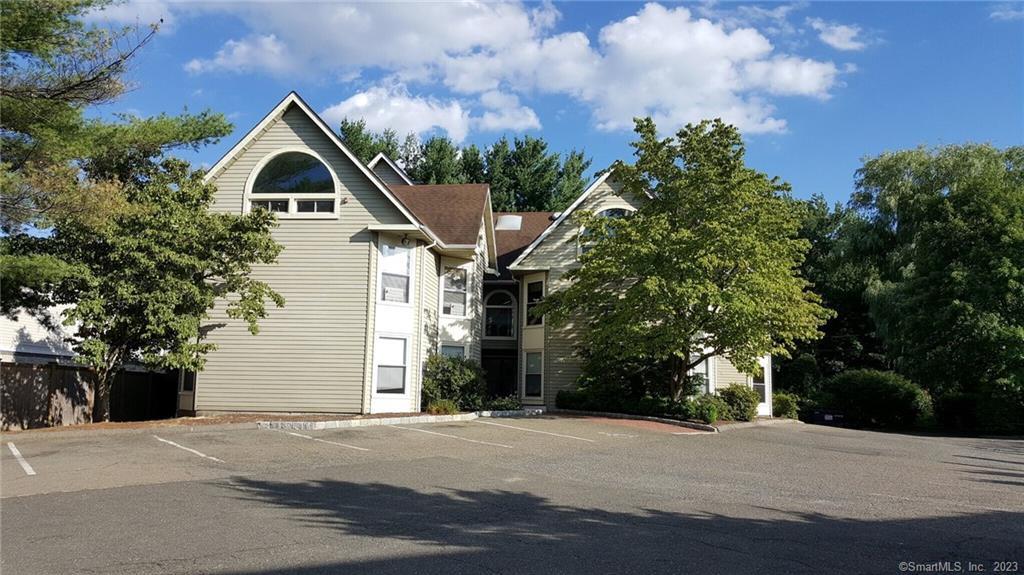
(390, 164)
(561, 218)
(453, 211)
(293, 99)
(511, 243)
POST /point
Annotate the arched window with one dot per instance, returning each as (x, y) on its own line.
(585, 242)
(295, 183)
(500, 315)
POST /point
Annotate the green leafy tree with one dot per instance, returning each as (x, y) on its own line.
(57, 166)
(840, 268)
(503, 196)
(534, 173)
(708, 266)
(571, 181)
(366, 144)
(154, 273)
(410, 155)
(949, 297)
(473, 166)
(441, 164)
(357, 139)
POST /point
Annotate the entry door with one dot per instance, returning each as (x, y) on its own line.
(186, 391)
(501, 373)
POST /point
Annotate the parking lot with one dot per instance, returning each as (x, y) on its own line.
(548, 494)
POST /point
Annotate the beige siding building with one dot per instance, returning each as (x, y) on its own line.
(360, 270)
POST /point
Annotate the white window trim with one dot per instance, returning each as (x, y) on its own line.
(378, 293)
(469, 280)
(515, 318)
(248, 197)
(604, 208)
(522, 390)
(526, 303)
(406, 384)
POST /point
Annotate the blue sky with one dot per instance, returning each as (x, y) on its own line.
(813, 86)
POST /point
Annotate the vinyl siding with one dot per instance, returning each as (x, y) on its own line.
(726, 373)
(310, 355)
(476, 295)
(389, 175)
(26, 336)
(557, 254)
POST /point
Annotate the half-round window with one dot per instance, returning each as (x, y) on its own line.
(585, 242)
(294, 183)
(500, 315)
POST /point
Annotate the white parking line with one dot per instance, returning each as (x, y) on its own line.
(534, 430)
(325, 441)
(452, 436)
(189, 449)
(21, 460)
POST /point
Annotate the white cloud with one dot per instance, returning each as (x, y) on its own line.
(661, 61)
(255, 52)
(839, 36)
(1007, 12)
(395, 108)
(140, 13)
(505, 113)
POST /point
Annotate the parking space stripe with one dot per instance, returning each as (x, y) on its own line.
(310, 437)
(188, 449)
(21, 460)
(534, 430)
(452, 436)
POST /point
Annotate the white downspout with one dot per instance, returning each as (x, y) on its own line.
(418, 398)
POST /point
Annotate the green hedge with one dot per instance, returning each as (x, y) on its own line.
(707, 408)
(454, 378)
(785, 405)
(442, 407)
(877, 399)
(742, 401)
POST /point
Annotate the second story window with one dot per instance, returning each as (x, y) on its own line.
(295, 184)
(500, 315)
(394, 273)
(585, 241)
(454, 291)
(534, 295)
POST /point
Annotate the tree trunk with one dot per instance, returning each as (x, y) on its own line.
(101, 396)
(677, 385)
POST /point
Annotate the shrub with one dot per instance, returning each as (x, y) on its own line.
(877, 398)
(458, 379)
(442, 407)
(507, 403)
(784, 405)
(742, 401)
(957, 411)
(709, 408)
(598, 398)
(1001, 406)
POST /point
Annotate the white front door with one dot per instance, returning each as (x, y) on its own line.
(762, 384)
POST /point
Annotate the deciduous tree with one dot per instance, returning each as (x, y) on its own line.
(708, 265)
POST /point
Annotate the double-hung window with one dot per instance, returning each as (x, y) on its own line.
(533, 385)
(396, 263)
(758, 383)
(534, 295)
(391, 364)
(452, 350)
(454, 291)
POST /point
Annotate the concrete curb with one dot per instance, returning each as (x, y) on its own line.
(367, 422)
(676, 422)
(408, 420)
(758, 423)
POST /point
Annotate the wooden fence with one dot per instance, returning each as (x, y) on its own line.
(50, 394)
